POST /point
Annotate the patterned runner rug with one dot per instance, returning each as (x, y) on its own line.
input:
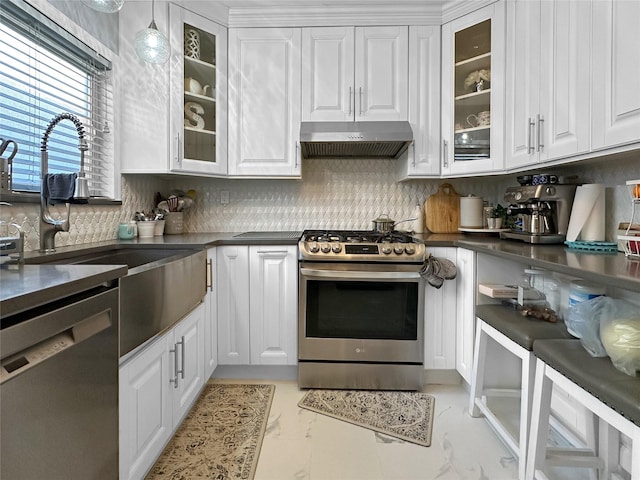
(405, 415)
(221, 437)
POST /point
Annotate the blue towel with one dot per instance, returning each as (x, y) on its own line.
(59, 187)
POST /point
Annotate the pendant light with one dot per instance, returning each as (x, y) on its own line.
(105, 6)
(150, 44)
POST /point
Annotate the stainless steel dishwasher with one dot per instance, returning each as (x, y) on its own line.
(59, 389)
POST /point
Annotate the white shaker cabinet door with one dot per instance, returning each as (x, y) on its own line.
(264, 101)
(616, 73)
(211, 316)
(146, 421)
(233, 305)
(381, 73)
(441, 306)
(423, 159)
(465, 315)
(327, 74)
(273, 304)
(548, 81)
(188, 355)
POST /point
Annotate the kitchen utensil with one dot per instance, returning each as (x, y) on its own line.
(383, 223)
(442, 210)
(172, 203)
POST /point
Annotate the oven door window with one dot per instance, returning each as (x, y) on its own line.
(362, 310)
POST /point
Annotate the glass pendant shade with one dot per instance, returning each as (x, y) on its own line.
(105, 6)
(151, 45)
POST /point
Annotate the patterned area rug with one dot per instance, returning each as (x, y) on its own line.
(405, 415)
(221, 437)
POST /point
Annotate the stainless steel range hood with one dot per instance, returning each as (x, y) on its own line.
(355, 139)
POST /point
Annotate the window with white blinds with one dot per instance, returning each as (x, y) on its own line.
(45, 71)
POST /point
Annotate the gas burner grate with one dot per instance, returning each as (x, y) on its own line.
(356, 236)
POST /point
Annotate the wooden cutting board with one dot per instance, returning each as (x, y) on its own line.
(442, 210)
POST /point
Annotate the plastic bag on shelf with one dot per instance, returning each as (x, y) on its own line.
(583, 321)
(620, 334)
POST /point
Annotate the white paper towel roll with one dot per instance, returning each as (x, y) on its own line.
(587, 220)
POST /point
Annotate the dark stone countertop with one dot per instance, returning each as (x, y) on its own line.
(610, 269)
(30, 286)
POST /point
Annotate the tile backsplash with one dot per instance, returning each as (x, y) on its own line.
(332, 194)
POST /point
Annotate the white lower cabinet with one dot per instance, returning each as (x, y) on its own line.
(440, 314)
(211, 316)
(465, 313)
(157, 388)
(257, 305)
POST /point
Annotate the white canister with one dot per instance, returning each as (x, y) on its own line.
(581, 291)
(471, 212)
(418, 223)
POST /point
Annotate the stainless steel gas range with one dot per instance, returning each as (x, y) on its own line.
(361, 299)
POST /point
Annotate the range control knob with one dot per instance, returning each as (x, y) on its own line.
(325, 248)
(314, 247)
(410, 249)
(398, 249)
(386, 249)
(518, 195)
(336, 248)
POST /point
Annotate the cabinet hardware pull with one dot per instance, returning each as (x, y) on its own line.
(178, 156)
(530, 126)
(182, 357)
(413, 152)
(539, 143)
(351, 99)
(272, 252)
(174, 380)
(445, 153)
(297, 154)
(210, 275)
(361, 101)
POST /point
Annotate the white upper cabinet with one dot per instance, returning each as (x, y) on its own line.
(473, 92)
(548, 80)
(423, 157)
(616, 73)
(355, 73)
(264, 101)
(198, 96)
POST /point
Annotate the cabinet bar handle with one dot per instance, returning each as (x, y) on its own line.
(182, 357)
(530, 125)
(297, 154)
(174, 380)
(210, 275)
(351, 99)
(361, 101)
(178, 156)
(445, 153)
(272, 252)
(539, 143)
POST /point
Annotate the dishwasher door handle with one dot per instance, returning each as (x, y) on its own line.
(43, 350)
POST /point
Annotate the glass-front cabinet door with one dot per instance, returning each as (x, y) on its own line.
(198, 93)
(473, 92)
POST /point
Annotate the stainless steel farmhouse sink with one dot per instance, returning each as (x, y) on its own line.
(161, 286)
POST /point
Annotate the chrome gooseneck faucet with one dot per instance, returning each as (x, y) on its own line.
(48, 225)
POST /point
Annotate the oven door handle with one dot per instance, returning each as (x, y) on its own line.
(314, 272)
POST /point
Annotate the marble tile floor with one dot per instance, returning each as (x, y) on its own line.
(302, 445)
